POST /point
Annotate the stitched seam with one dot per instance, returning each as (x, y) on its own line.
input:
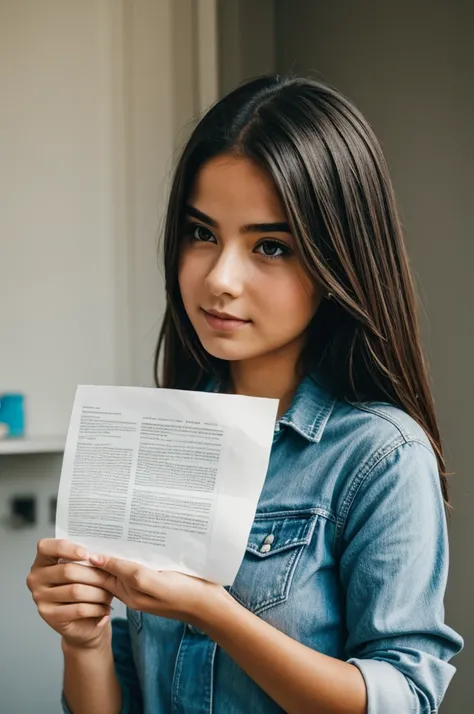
(135, 619)
(291, 514)
(281, 549)
(362, 476)
(302, 432)
(290, 573)
(320, 418)
(283, 594)
(357, 482)
(326, 411)
(280, 597)
(414, 440)
(211, 683)
(287, 578)
(177, 673)
(382, 415)
(309, 526)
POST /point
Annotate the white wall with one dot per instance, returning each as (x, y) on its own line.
(94, 94)
(409, 66)
(57, 252)
(55, 206)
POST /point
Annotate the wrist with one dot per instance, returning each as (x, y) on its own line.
(213, 610)
(101, 644)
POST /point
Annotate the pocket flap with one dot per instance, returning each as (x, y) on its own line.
(273, 532)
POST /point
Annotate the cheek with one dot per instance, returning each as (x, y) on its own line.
(188, 277)
(292, 301)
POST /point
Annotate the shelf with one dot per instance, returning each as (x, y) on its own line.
(33, 445)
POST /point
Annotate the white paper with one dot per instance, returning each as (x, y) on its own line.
(167, 478)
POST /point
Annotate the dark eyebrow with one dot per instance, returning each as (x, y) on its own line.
(279, 227)
(191, 211)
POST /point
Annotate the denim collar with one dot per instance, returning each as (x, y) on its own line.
(309, 411)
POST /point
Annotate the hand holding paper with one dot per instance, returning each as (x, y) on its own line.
(167, 594)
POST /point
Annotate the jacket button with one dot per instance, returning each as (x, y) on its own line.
(266, 547)
(269, 539)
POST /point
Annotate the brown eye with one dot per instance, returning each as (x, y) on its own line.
(201, 234)
(273, 249)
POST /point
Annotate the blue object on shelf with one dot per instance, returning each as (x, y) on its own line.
(12, 415)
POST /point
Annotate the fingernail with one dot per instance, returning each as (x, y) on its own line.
(102, 622)
(97, 559)
(81, 553)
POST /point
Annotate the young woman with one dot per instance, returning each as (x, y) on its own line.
(286, 277)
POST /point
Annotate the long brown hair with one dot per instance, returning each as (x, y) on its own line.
(332, 177)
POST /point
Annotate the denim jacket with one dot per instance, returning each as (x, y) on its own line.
(356, 569)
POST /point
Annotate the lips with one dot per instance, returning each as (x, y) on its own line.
(222, 321)
(224, 315)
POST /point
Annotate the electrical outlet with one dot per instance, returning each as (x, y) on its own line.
(23, 511)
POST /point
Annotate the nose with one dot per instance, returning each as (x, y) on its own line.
(227, 276)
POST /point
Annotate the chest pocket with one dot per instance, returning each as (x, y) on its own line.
(276, 543)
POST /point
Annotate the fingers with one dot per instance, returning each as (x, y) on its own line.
(50, 550)
(115, 566)
(76, 593)
(74, 573)
(138, 577)
(58, 588)
(42, 578)
(70, 597)
(56, 615)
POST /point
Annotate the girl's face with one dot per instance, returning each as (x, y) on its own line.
(242, 284)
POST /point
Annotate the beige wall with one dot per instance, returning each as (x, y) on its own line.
(409, 67)
(246, 40)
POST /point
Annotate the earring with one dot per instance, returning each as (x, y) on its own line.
(329, 296)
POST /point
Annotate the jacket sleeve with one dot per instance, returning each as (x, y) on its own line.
(393, 568)
(124, 669)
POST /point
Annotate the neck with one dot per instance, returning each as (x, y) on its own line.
(274, 376)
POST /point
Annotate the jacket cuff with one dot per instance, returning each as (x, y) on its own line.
(388, 691)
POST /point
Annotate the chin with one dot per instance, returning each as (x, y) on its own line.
(227, 351)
